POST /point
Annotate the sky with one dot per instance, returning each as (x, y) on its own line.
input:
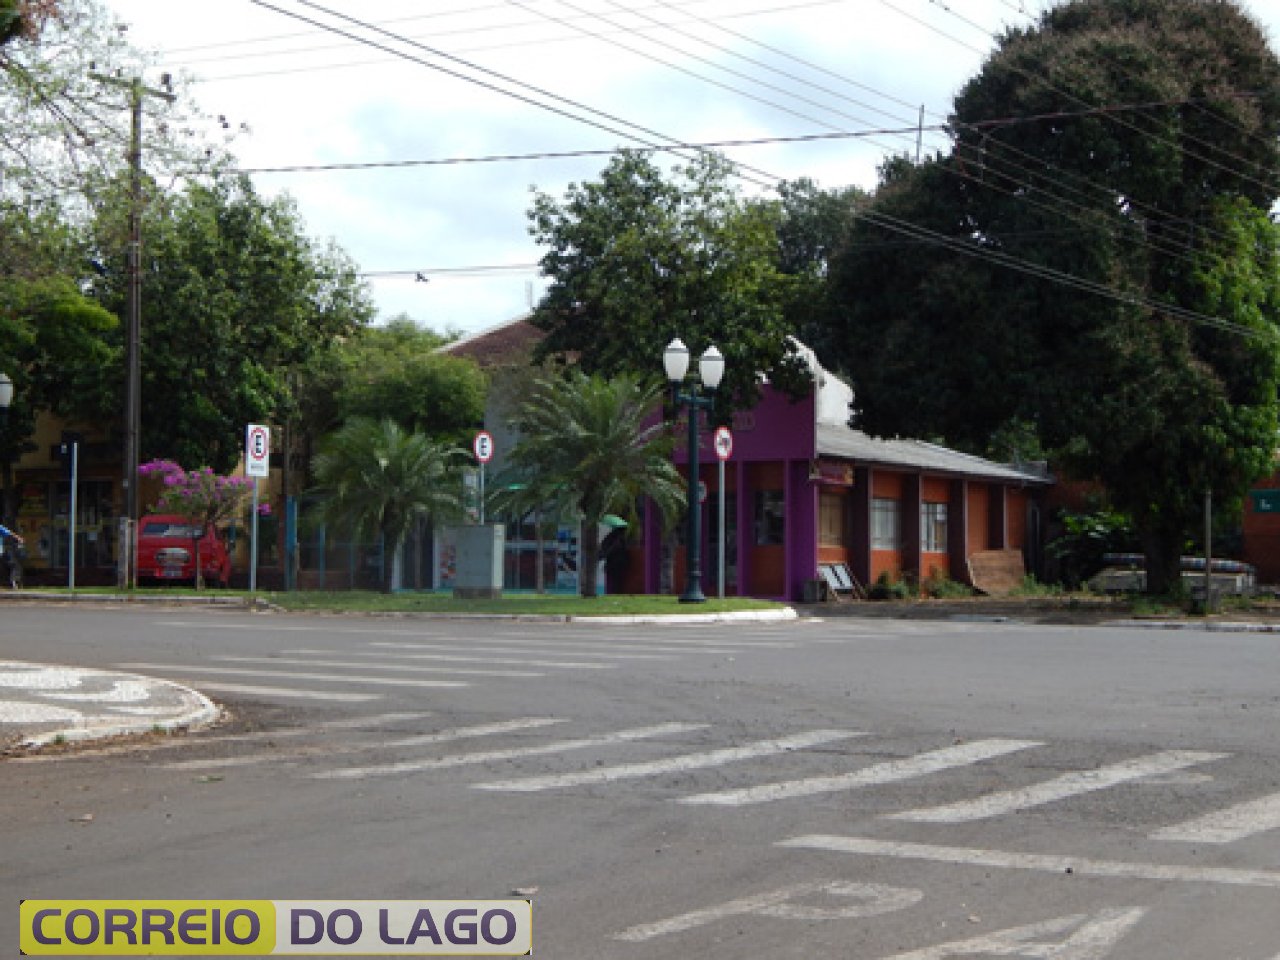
(423, 95)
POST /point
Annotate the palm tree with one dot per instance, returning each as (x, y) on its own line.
(588, 440)
(377, 479)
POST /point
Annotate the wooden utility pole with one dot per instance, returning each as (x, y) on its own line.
(133, 322)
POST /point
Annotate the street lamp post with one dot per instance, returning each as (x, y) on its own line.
(710, 369)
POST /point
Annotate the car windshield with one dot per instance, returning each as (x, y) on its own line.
(161, 528)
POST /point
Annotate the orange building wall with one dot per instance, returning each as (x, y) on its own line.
(979, 515)
(935, 490)
(887, 485)
(886, 562)
(1016, 509)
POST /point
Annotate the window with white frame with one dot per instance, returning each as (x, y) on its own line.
(933, 527)
(886, 524)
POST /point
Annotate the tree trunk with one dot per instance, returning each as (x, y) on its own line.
(391, 571)
(589, 557)
(1163, 552)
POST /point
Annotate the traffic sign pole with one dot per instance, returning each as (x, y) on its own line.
(723, 443)
(720, 550)
(482, 446)
(257, 463)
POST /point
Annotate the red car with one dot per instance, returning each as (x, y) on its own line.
(167, 551)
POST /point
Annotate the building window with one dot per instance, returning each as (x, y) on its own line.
(933, 527)
(831, 519)
(769, 517)
(886, 524)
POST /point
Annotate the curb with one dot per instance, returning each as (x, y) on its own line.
(1209, 626)
(195, 711)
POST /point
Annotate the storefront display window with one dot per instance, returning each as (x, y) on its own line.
(886, 524)
(770, 517)
(933, 527)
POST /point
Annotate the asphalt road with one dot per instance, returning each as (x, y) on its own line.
(865, 789)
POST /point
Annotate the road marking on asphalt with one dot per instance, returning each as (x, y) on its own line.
(442, 736)
(1227, 825)
(1041, 863)
(871, 900)
(1059, 788)
(480, 730)
(255, 690)
(487, 648)
(576, 648)
(514, 753)
(670, 643)
(1090, 938)
(122, 691)
(523, 661)
(394, 667)
(888, 772)
(690, 761)
(291, 675)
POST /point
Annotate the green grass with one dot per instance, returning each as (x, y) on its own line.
(361, 601)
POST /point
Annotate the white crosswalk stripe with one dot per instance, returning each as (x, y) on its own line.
(1228, 825)
(443, 736)
(487, 648)
(513, 753)
(1042, 863)
(260, 690)
(293, 675)
(889, 772)
(393, 667)
(693, 761)
(573, 648)
(522, 661)
(1059, 788)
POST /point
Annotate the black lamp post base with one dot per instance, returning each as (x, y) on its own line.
(693, 595)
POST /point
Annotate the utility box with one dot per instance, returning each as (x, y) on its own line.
(480, 553)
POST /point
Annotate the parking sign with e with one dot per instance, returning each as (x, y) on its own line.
(257, 451)
(483, 446)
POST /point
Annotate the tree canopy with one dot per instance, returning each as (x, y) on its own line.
(638, 258)
(235, 296)
(394, 370)
(1092, 261)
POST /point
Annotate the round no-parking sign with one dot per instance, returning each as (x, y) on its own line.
(723, 443)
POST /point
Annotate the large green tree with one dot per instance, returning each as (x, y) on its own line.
(376, 479)
(235, 297)
(1091, 262)
(597, 445)
(393, 370)
(639, 257)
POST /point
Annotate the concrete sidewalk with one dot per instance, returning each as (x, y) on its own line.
(45, 703)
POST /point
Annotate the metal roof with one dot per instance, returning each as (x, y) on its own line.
(835, 440)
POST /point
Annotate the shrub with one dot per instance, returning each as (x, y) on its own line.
(886, 588)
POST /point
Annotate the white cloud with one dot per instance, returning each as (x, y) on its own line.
(311, 97)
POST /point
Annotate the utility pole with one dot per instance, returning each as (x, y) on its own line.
(133, 323)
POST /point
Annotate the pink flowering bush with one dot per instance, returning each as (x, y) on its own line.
(202, 496)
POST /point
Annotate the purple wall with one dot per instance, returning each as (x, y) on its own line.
(776, 429)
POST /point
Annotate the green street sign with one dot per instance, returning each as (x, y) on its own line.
(1265, 501)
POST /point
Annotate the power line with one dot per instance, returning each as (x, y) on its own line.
(505, 79)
